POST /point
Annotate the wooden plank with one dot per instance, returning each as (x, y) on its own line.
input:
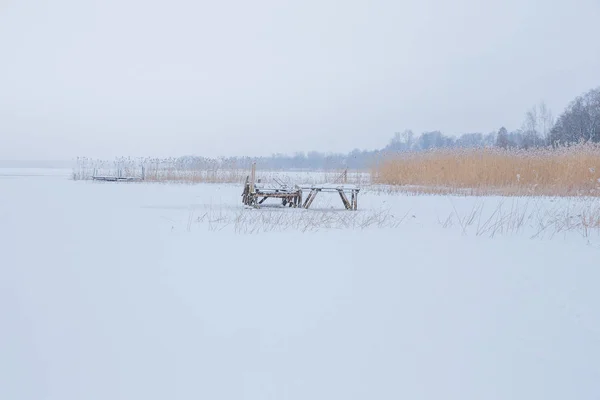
(307, 199)
(116, 179)
(277, 195)
(329, 187)
(246, 190)
(314, 194)
(252, 177)
(344, 199)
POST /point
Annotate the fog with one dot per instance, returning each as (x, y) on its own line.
(147, 78)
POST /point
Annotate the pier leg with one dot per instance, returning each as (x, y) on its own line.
(311, 198)
(344, 199)
(252, 177)
(308, 198)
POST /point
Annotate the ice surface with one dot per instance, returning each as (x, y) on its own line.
(116, 291)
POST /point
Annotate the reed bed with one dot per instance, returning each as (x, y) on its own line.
(565, 171)
(177, 170)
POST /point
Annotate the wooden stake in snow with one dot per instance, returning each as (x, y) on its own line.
(252, 177)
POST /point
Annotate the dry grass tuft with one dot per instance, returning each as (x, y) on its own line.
(281, 219)
(565, 171)
(528, 216)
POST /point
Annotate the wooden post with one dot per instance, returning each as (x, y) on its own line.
(312, 196)
(345, 176)
(344, 199)
(252, 177)
(307, 198)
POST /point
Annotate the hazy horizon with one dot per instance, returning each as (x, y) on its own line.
(132, 78)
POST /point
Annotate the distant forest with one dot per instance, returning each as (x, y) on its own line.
(579, 122)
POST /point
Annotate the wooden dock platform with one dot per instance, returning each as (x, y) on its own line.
(341, 189)
(256, 193)
(116, 179)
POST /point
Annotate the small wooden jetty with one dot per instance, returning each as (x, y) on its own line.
(341, 189)
(255, 194)
(116, 179)
(119, 177)
(258, 193)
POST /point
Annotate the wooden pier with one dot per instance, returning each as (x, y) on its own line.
(341, 189)
(116, 179)
(255, 194)
(119, 176)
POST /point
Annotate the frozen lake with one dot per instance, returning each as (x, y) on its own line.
(174, 291)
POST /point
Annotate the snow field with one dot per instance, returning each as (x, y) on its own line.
(157, 291)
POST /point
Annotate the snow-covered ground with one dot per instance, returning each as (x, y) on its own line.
(173, 291)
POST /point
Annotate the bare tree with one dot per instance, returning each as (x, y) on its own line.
(546, 120)
(580, 121)
(408, 137)
(401, 141)
(537, 125)
(531, 120)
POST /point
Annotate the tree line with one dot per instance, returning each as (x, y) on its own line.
(579, 122)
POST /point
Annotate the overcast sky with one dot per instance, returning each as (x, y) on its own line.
(147, 78)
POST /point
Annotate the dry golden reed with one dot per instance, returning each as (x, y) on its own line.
(565, 171)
